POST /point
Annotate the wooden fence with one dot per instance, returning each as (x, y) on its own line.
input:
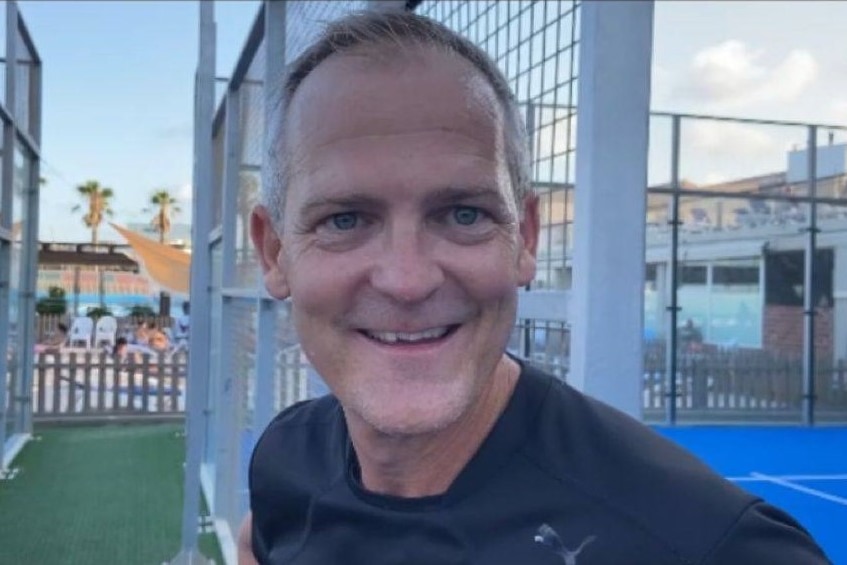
(742, 384)
(95, 385)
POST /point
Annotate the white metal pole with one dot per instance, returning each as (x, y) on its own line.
(610, 201)
(275, 63)
(198, 356)
(8, 171)
(226, 397)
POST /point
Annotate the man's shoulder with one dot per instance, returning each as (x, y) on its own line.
(314, 411)
(300, 440)
(632, 473)
(306, 418)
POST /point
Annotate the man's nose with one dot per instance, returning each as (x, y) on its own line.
(407, 270)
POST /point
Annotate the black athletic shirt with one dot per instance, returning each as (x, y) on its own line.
(562, 478)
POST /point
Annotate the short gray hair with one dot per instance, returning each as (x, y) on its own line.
(393, 29)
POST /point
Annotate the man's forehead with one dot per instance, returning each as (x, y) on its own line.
(364, 93)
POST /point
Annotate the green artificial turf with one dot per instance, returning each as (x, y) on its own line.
(97, 495)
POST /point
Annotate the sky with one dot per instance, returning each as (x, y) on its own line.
(118, 84)
(783, 60)
(118, 91)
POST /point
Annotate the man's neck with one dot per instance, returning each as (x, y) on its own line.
(427, 464)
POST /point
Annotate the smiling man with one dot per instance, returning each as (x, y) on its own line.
(401, 225)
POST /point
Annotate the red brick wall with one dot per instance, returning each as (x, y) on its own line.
(783, 329)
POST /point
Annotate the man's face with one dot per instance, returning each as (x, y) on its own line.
(401, 245)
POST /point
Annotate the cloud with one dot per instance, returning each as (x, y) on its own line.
(733, 75)
(728, 138)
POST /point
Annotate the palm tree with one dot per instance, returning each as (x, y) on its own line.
(97, 199)
(167, 206)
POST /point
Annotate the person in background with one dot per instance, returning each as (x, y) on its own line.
(55, 341)
(690, 338)
(182, 327)
(183, 323)
(141, 336)
(119, 351)
(157, 340)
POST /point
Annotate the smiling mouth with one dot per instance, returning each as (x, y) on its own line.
(432, 335)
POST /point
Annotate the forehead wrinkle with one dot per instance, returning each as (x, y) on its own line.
(474, 147)
(478, 95)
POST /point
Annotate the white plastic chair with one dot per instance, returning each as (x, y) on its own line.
(81, 329)
(105, 331)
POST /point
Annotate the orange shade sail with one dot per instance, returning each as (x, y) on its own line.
(167, 266)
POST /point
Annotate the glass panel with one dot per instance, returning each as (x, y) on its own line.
(238, 390)
(20, 186)
(733, 157)
(534, 44)
(831, 157)
(12, 353)
(305, 20)
(739, 328)
(218, 171)
(250, 177)
(216, 319)
(2, 137)
(3, 51)
(23, 84)
(735, 316)
(656, 300)
(830, 306)
(295, 380)
(555, 238)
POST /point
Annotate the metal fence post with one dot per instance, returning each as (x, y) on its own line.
(197, 379)
(809, 280)
(673, 280)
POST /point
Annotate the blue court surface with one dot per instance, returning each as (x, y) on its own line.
(801, 470)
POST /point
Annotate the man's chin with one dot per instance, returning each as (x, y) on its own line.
(400, 421)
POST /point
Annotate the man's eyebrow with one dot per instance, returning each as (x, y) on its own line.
(462, 194)
(346, 201)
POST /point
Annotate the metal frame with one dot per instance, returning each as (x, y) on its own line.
(227, 453)
(810, 274)
(809, 279)
(27, 136)
(276, 20)
(198, 360)
(6, 215)
(673, 282)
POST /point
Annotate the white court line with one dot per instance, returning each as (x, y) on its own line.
(805, 490)
(749, 479)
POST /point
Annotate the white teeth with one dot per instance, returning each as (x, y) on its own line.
(394, 337)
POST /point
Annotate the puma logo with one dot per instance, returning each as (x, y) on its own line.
(548, 536)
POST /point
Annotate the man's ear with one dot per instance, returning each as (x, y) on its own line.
(269, 249)
(529, 227)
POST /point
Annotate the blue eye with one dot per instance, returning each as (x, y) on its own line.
(345, 221)
(465, 215)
